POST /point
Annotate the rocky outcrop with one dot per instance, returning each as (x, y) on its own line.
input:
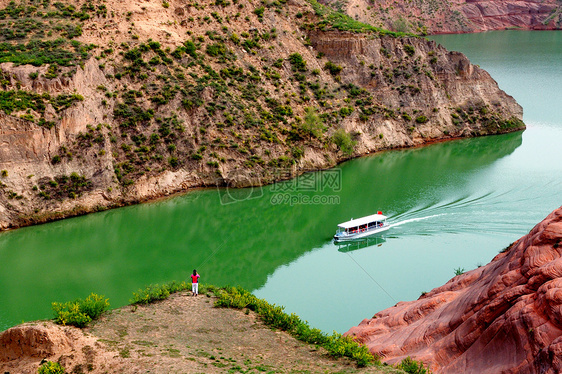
(500, 15)
(505, 317)
(25, 347)
(32, 341)
(442, 17)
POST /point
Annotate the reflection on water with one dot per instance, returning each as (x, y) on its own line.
(360, 244)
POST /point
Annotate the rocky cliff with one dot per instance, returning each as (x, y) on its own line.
(111, 103)
(505, 317)
(444, 17)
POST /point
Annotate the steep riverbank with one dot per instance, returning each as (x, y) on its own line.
(180, 334)
(155, 100)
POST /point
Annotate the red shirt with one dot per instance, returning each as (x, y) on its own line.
(194, 278)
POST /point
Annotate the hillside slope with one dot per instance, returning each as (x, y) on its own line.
(182, 334)
(111, 103)
(505, 317)
(446, 17)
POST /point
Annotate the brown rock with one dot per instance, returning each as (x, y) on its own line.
(31, 341)
(503, 317)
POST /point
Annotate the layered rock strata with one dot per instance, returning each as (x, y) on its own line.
(469, 16)
(505, 317)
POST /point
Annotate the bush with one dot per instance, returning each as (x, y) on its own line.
(412, 366)
(156, 292)
(333, 68)
(422, 119)
(173, 161)
(51, 367)
(313, 125)
(410, 50)
(344, 142)
(259, 12)
(297, 61)
(80, 312)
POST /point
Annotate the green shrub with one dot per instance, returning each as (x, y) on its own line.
(410, 50)
(51, 367)
(297, 61)
(313, 125)
(412, 366)
(157, 292)
(259, 12)
(422, 119)
(173, 161)
(80, 312)
(333, 68)
(344, 142)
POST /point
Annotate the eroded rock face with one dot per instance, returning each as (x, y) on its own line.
(502, 317)
(23, 347)
(31, 341)
(442, 17)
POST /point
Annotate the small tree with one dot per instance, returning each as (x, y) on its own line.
(313, 124)
(344, 142)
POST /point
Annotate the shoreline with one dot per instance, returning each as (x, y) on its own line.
(80, 210)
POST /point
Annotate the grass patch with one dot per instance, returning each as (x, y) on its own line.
(156, 292)
(333, 19)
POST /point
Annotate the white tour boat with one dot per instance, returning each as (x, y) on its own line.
(361, 227)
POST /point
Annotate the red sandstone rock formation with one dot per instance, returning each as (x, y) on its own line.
(444, 17)
(505, 317)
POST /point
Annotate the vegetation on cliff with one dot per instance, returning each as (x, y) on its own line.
(425, 17)
(211, 93)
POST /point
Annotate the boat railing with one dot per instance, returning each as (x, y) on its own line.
(368, 228)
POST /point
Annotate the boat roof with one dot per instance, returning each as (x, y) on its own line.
(362, 221)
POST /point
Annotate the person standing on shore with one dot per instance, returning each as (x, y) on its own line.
(194, 283)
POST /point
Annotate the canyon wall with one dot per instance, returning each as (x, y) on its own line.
(156, 100)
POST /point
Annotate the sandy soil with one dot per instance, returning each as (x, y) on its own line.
(182, 334)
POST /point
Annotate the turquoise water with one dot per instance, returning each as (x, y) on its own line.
(453, 205)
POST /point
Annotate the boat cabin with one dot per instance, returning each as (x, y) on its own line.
(368, 223)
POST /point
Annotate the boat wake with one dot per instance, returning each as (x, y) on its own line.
(400, 223)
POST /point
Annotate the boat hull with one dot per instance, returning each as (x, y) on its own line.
(359, 235)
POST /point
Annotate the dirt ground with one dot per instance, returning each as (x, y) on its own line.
(182, 334)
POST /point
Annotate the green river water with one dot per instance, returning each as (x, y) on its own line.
(452, 205)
